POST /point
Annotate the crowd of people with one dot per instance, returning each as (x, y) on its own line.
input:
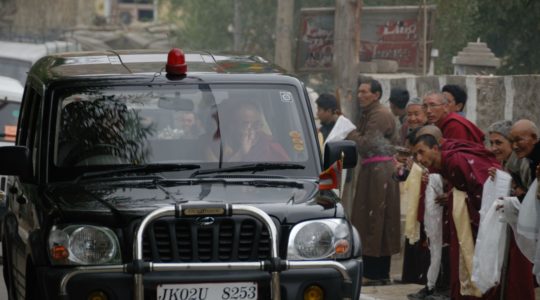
(454, 178)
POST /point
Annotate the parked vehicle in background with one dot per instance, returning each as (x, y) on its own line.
(11, 92)
(147, 175)
(17, 58)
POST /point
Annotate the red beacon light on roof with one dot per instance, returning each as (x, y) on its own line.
(176, 62)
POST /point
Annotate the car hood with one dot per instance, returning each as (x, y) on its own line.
(289, 201)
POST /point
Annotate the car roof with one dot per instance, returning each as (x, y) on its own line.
(143, 63)
(10, 89)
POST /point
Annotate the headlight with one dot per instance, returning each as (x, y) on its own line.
(320, 239)
(83, 245)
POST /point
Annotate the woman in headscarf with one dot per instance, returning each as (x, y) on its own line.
(501, 145)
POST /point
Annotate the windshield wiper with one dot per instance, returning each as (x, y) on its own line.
(272, 183)
(257, 167)
(151, 168)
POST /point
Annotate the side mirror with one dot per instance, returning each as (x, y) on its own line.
(334, 150)
(16, 161)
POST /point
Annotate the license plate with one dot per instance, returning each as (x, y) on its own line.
(208, 291)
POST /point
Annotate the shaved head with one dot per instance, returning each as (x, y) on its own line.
(524, 136)
(527, 126)
(431, 130)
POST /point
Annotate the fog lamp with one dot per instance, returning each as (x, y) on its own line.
(313, 292)
(97, 295)
(342, 246)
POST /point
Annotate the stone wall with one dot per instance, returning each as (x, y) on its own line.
(490, 98)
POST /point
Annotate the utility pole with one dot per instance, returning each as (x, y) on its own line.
(156, 11)
(346, 53)
(284, 22)
(237, 34)
(424, 37)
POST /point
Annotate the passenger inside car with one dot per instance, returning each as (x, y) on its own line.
(248, 139)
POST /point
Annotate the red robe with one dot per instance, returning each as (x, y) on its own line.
(519, 278)
(446, 145)
(465, 167)
(457, 127)
(266, 149)
(518, 284)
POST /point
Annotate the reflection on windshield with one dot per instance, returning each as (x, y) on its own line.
(190, 124)
(101, 131)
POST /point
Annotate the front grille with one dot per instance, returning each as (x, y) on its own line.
(186, 240)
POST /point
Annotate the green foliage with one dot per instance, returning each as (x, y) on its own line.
(454, 24)
(203, 24)
(511, 29)
(391, 2)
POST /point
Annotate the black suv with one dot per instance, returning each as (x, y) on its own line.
(155, 175)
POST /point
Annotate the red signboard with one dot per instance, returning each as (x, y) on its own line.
(317, 33)
(392, 33)
(405, 53)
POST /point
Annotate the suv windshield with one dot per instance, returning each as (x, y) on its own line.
(220, 123)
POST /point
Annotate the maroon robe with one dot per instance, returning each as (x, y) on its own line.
(266, 149)
(519, 278)
(446, 145)
(465, 167)
(457, 127)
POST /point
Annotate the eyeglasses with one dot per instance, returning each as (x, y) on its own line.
(431, 106)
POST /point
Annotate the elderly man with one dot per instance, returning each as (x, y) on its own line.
(465, 166)
(452, 125)
(525, 143)
(375, 208)
(455, 130)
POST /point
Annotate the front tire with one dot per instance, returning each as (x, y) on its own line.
(7, 270)
(32, 290)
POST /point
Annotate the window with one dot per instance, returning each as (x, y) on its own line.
(145, 15)
(28, 134)
(203, 124)
(9, 114)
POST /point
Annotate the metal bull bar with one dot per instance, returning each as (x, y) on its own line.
(138, 267)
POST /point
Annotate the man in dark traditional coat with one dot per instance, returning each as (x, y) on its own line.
(375, 208)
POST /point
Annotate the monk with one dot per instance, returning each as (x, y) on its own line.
(465, 166)
(452, 125)
(457, 128)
